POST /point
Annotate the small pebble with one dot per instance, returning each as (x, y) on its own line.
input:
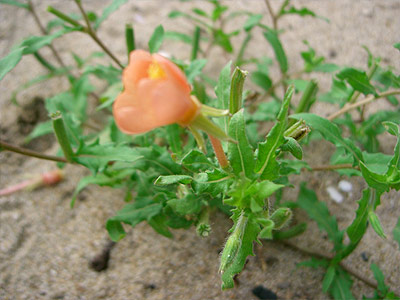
(263, 293)
(345, 186)
(334, 194)
(364, 256)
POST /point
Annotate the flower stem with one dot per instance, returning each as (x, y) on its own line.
(195, 44)
(130, 38)
(27, 152)
(219, 152)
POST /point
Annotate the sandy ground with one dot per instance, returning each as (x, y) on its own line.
(46, 248)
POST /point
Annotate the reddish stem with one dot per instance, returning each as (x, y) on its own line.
(219, 152)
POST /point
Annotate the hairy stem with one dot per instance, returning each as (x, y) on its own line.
(333, 167)
(365, 101)
(27, 152)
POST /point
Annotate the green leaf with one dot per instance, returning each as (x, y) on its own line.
(319, 212)
(357, 79)
(223, 90)
(314, 263)
(396, 232)
(266, 164)
(186, 206)
(330, 132)
(96, 157)
(160, 224)
(171, 179)
(376, 224)
(328, 278)
(241, 154)
(374, 180)
(194, 69)
(273, 39)
(293, 147)
(156, 39)
(108, 73)
(132, 214)
(40, 130)
(222, 39)
(359, 225)
(338, 94)
(397, 46)
(200, 12)
(112, 7)
(10, 61)
(178, 36)
(174, 138)
(380, 279)
(341, 286)
(261, 79)
(238, 246)
(196, 161)
(252, 21)
(268, 226)
(15, 3)
(101, 180)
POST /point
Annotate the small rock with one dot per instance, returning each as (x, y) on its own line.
(345, 186)
(263, 293)
(334, 194)
(365, 256)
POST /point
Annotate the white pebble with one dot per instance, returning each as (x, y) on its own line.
(345, 186)
(334, 194)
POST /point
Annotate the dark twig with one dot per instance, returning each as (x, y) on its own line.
(23, 151)
(89, 30)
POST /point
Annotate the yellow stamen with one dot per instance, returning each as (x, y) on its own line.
(155, 71)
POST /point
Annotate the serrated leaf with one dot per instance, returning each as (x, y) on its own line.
(10, 61)
(359, 225)
(101, 180)
(112, 7)
(241, 154)
(132, 214)
(357, 79)
(96, 157)
(186, 206)
(239, 245)
(156, 39)
(195, 161)
(319, 212)
(330, 132)
(172, 179)
(266, 164)
(273, 39)
(376, 224)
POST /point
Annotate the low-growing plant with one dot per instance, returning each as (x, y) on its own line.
(184, 145)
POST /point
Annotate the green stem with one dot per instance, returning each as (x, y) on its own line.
(195, 44)
(239, 58)
(63, 16)
(130, 38)
(27, 152)
(44, 62)
(308, 97)
(61, 134)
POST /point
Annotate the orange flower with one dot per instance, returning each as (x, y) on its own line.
(156, 93)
